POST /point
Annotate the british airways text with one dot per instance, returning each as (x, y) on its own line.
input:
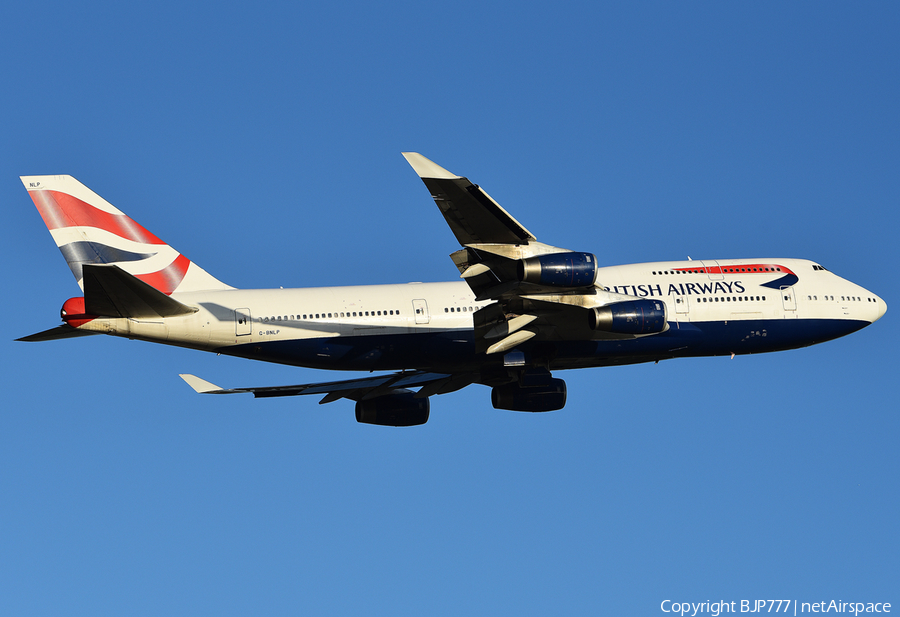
(681, 289)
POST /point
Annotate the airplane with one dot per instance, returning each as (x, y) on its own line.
(521, 311)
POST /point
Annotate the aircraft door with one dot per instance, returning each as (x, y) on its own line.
(789, 300)
(713, 270)
(420, 308)
(682, 306)
(242, 322)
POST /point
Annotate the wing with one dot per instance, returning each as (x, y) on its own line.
(354, 389)
(473, 217)
(540, 292)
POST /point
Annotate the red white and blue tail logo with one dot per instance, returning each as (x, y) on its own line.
(90, 230)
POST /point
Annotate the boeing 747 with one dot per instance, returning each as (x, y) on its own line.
(522, 311)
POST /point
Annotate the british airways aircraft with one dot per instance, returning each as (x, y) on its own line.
(522, 310)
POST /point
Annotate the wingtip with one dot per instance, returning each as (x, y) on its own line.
(200, 386)
(426, 168)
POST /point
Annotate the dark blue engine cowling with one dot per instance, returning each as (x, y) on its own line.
(399, 409)
(559, 270)
(632, 317)
(540, 398)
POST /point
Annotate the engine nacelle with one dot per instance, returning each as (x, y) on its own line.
(541, 398)
(631, 317)
(559, 270)
(399, 409)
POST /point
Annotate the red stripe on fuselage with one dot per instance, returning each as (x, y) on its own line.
(742, 269)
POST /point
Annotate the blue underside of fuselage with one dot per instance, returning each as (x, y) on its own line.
(454, 351)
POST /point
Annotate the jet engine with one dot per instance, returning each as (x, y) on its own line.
(397, 409)
(559, 270)
(513, 397)
(631, 317)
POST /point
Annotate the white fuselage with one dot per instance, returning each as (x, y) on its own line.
(422, 325)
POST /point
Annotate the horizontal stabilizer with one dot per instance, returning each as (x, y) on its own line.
(111, 292)
(59, 332)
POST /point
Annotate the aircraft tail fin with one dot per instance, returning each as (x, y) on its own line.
(89, 230)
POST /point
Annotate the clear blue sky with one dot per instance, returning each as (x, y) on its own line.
(263, 141)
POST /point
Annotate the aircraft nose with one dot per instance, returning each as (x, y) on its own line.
(876, 312)
(880, 310)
